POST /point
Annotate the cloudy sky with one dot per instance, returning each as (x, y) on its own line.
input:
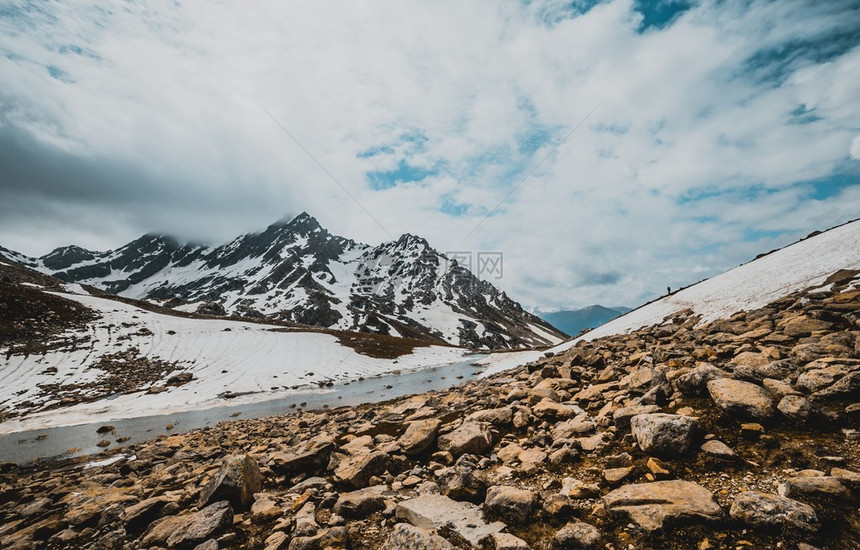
(608, 149)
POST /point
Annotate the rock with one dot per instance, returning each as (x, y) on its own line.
(236, 481)
(718, 449)
(312, 457)
(582, 424)
(510, 503)
(616, 475)
(409, 537)
(795, 407)
(505, 541)
(848, 385)
(357, 470)
(419, 436)
(462, 482)
(695, 382)
(179, 379)
(264, 509)
(276, 541)
(752, 430)
(578, 489)
(741, 398)
(804, 326)
(210, 544)
(470, 437)
(547, 408)
(105, 429)
(658, 468)
(189, 529)
(778, 388)
(663, 434)
(815, 487)
(763, 510)
(503, 416)
(649, 505)
(359, 504)
(306, 521)
(577, 535)
(138, 516)
(328, 539)
(459, 518)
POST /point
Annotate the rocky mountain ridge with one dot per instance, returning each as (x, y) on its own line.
(297, 271)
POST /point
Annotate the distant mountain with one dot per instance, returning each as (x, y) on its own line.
(574, 321)
(297, 271)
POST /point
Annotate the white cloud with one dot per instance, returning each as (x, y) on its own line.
(653, 190)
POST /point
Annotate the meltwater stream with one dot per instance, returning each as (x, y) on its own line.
(69, 441)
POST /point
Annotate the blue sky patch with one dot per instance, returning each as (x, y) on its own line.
(659, 14)
(404, 173)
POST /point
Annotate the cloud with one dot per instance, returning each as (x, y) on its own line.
(721, 129)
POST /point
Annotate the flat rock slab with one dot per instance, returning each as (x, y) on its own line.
(650, 505)
(763, 510)
(445, 515)
(409, 537)
(741, 398)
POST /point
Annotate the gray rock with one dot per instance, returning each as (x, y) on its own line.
(694, 382)
(461, 519)
(236, 481)
(409, 537)
(462, 482)
(506, 541)
(763, 510)
(718, 449)
(356, 470)
(359, 504)
(795, 407)
(510, 503)
(307, 459)
(189, 529)
(741, 398)
(470, 437)
(419, 436)
(814, 486)
(649, 505)
(663, 434)
(577, 535)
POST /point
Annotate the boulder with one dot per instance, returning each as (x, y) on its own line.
(650, 505)
(307, 459)
(510, 503)
(419, 436)
(470, 437)
(663, 434)
(356, 470)
(189, 529)
(462, 482)
(695, 382)
(795, 407)
(236, 481)
(359, 504)
(463, 520)
(409, 537)
(763, 510)
(741, 398)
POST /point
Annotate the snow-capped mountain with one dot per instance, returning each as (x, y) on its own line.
(297, 271)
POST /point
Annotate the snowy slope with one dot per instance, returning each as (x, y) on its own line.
(254, 361)
(753, 285)
(297, 271)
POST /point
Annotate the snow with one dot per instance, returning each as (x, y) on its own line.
(753, 285)
(256, 358)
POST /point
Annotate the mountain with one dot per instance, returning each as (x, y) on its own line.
(574, 321)
(299, 272)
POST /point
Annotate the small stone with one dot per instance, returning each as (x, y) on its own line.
(506, 541)
(718, 449)
(752, 431)
(658, 468)
(795, 407)
(470, 437)
(617, 475)
(577, 535)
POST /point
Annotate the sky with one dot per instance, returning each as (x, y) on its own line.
(608, 149)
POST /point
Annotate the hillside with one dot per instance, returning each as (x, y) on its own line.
(701, 430)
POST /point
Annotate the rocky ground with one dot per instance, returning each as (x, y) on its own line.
(741, 433)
